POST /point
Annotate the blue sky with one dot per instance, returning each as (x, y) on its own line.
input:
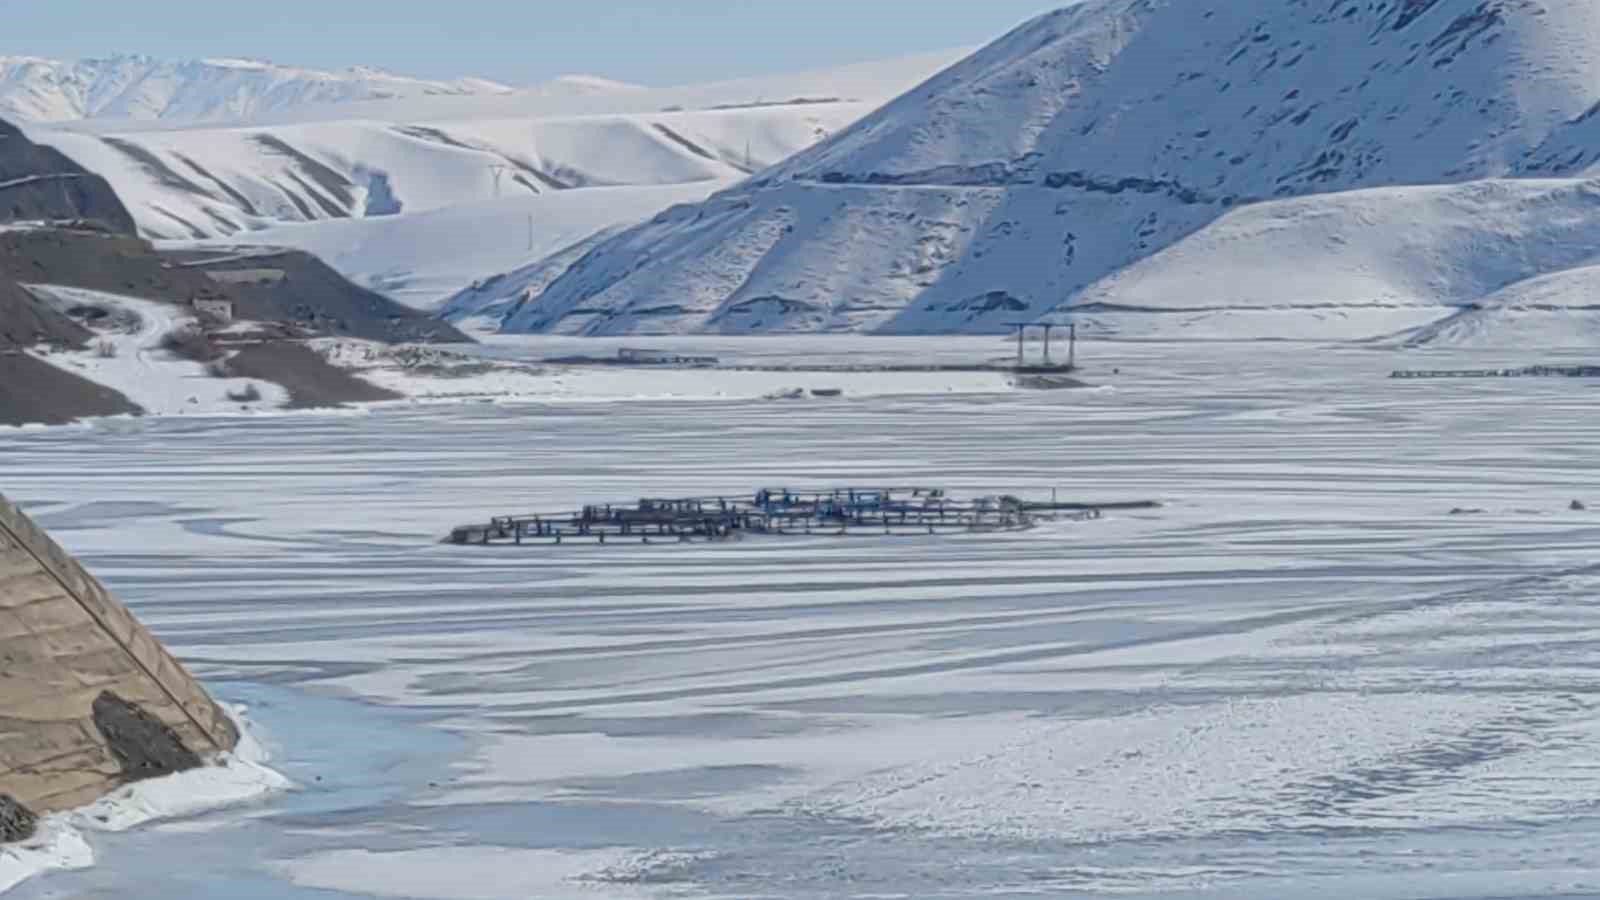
(517, 41)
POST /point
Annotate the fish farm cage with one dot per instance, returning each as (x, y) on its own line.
(775, 511)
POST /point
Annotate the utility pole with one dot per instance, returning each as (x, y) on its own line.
(498, 171)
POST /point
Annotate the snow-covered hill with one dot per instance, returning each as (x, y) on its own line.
(139, 87)
(1097, 136)
(500, 303)
(202, 183)
(1359, 264)
(420, 208)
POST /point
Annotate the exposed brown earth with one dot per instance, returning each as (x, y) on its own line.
(308, 293)
(34, 392)
(89, 242)
(302, 288)
(311, 381)
(25, 322)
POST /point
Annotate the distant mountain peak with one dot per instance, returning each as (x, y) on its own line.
(217, 89)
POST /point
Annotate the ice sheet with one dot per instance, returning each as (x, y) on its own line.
(1303, 675)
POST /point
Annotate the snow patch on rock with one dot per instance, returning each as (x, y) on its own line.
(65, 840)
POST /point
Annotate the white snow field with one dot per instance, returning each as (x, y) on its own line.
(1353, 655)
(1026, 179)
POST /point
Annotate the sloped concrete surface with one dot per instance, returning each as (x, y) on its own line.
(65, 645)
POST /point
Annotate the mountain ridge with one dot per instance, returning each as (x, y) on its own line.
(1094, 137)
(419, 207)
(139, 87)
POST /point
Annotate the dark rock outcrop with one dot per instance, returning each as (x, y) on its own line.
(17, 822)
(25, 322)
(143, 746)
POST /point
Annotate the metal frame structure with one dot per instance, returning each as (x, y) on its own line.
(1022, 334)
(770, 511)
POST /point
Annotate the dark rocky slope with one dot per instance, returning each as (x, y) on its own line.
(40, 184)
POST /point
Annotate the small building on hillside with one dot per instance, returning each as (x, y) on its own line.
(217, 310)
(247, 276)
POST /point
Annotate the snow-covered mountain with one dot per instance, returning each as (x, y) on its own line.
(1098, 136)
(504, 303)
(422, 207)
(139, 87)
(203, 183)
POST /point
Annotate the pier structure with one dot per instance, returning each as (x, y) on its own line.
(1545, 371)
(771, 511)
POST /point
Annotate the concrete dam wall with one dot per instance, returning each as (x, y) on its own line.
(89, 699)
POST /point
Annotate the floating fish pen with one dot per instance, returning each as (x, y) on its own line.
(772, 511)
(1575, 371)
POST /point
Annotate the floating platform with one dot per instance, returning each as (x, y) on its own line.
(777, 511)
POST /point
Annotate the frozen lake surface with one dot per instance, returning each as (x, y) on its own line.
(1302, 677)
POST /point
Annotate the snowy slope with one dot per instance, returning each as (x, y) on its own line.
(139, 87)
(501, 302)
(1359, 263)
(1090, 139)
(203, 183)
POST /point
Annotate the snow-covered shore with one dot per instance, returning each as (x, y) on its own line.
(426, 374)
